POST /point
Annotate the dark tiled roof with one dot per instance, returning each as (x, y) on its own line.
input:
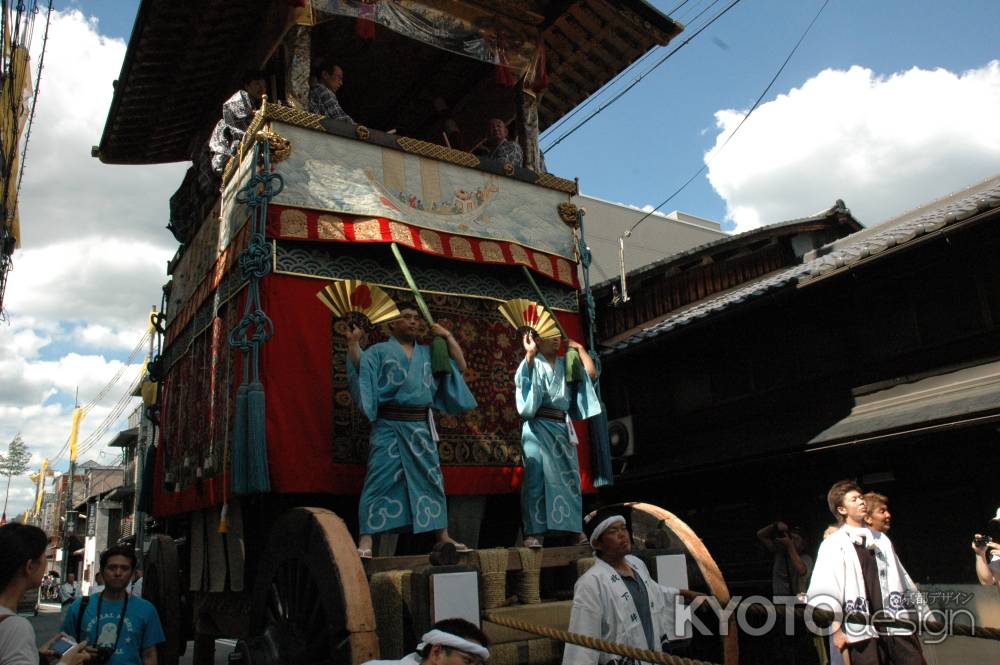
(834, 257)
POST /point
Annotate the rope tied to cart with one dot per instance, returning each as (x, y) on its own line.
(248, 458)
(642, 655)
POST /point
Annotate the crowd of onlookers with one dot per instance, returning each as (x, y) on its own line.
(111, 624)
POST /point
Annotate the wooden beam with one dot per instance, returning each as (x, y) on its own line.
(552, 557)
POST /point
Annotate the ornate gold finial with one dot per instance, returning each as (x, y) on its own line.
(280, 147)
(568, 214)
(362, 132)
(508, 168)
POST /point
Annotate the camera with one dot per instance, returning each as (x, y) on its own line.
(779, 532)
(982, 541)
(103, 654)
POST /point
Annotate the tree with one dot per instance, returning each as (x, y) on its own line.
(14, 463)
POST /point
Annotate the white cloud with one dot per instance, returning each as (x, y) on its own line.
(93, 256)
(882, 144)
(109, 282)
(66, 193)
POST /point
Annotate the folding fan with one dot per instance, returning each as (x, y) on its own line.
(352, 298)
(525, 314)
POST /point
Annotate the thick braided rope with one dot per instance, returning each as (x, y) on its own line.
(529, 579)
(594, 643)
(493, 577)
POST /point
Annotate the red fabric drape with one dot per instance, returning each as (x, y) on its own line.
(298, 379)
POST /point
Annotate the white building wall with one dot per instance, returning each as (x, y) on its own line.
(659, 235)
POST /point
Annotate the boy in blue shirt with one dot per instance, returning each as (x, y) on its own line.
(123, 629)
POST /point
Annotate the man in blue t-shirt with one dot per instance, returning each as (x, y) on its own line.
(124, 627)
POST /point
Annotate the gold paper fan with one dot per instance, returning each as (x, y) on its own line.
(352, 296)
(523, 313)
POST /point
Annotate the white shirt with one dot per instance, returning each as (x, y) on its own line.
(17, 640)
(603, 608)
(67, 591)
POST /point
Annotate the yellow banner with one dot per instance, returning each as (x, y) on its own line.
(41, 486)
(75, 433)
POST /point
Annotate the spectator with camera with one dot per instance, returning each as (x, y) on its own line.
(792, 566)
(124, 629)
(987, 557)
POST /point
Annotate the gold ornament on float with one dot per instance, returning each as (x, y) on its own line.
(525, 314)
(352, 299)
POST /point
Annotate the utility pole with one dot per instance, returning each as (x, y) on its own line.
(144, 443)
(70, 527)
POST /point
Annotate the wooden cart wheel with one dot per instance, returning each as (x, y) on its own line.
(311, 603)
(706, 564)
(161, 587)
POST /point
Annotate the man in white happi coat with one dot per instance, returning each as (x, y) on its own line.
(617, 600)
(448, 642)
(858, 571)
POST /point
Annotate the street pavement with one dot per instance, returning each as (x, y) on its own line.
(49, 619)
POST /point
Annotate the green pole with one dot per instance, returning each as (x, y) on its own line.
(440, 358)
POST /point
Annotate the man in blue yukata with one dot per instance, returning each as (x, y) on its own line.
(393, 385)
(550, 490)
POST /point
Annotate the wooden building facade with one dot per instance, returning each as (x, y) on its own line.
(752, 373)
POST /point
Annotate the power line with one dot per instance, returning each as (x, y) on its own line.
(107, 388)
(610, 84)
(644, 74)
(741, 123)
(34, 97)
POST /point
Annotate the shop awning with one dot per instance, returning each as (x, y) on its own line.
(960, 398)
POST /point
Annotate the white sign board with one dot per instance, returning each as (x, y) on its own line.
(455, 596)
(671, 570)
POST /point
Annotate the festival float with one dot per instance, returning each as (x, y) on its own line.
(253, 484)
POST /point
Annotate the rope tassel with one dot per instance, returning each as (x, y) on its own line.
(239, 462)
(249, 451)
(257, 471)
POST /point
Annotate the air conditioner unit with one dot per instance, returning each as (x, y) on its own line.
(622, 437)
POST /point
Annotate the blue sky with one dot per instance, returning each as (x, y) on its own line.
(659, 132)
(887, 104)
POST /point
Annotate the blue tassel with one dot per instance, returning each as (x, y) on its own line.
(238, 453)
(600, 449)
(258, 480)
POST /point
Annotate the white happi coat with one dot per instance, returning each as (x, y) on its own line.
(837, 582)
(603, 608)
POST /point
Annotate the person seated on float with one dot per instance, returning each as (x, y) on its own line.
(448, 642)
(550, 490)
(237, 113)
(500, 147)
(616, 600)
(323, 95)
(393, 385)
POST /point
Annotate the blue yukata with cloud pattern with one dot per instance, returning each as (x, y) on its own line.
(550, 491)
(403, 487)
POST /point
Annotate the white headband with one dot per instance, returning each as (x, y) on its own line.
(449, 640)
(603, 526)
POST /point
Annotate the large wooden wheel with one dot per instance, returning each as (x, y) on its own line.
(161, 587)
(659, 518)
(311, 603)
